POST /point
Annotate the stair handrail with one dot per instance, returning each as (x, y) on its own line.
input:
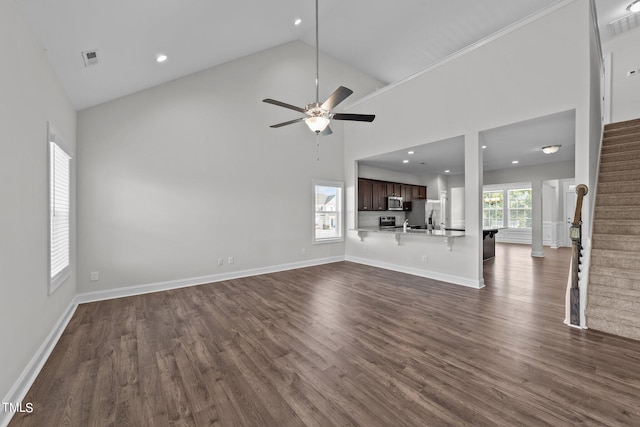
(575, 233)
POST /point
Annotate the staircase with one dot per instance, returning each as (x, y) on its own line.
(613, 299)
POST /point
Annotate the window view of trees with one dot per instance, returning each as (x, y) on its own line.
(493, 206)
(515, 213)
(520, 208)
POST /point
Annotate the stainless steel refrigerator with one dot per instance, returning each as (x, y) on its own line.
(425, 212)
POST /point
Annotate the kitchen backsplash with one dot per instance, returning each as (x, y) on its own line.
(371, 219)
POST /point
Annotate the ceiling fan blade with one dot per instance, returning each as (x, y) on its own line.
(336, 98)
(290, 122)
(327, 131)
(354, 117)
(284, 104)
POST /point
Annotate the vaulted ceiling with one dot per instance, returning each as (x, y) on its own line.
(386, 40)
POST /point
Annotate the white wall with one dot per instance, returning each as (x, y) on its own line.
(31, 96)
(175, 177)
(370, 172)
(538, 69)
(625, 91)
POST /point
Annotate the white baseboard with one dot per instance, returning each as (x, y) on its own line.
(456, 280)
(33, 368)
(194, 281)
(28, 376)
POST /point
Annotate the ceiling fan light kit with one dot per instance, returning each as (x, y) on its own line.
(319, 116)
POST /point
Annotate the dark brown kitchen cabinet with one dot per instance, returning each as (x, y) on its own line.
(379, 196)
(365, 194)
(418, 192)
(406, 192)
(394, 189)
(372, 194)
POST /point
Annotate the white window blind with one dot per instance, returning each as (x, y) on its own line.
(59, 214)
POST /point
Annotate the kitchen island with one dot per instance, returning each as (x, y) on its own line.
(488, 241)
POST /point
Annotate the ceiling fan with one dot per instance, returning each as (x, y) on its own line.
(317, 115)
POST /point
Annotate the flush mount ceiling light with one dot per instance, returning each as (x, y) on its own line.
(297, 22)
(515, 162)
(161, 58)
(405, 161)
(634, 7)
(410, 152)
(551, 149)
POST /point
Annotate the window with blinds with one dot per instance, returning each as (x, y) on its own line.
(59, 215)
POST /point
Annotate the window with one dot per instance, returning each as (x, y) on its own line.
(507, 206)
(492, 209)
(520, 208)
(59, 213)
(327, 203)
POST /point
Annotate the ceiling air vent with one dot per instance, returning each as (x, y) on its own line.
(624, 24)
(90, 58)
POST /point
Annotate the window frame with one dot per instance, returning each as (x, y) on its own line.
(519, 209)
(484, 209)
(55, 141)
(339, 211)
(506, 210)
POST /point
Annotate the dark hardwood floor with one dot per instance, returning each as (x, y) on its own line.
(342, 344)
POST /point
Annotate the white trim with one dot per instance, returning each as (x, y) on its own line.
(28, 376)
(608, 63)
(493, 37)
(537, 254)
(195, 281)
(33, 368)
(340, 212)
(443, 277)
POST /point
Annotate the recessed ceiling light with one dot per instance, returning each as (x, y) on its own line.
(515, 162)
(484, 146)
(161, 57)
(297, 22)
(411, 152)
(405, 161)
(634, 7)
(447, 171)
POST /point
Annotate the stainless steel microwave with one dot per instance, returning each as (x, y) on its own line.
(394, 203)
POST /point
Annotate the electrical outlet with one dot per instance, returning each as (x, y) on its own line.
(364, 248)
(220, 261)
(424, 259)
(230, 260)
(95, 276)
(303, 251)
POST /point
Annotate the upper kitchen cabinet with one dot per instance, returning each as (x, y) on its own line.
(379, 196)
(406, 192)
(394, 189)
(419, 192)
(365, 195)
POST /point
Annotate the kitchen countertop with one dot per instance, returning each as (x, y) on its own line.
(419, 231)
